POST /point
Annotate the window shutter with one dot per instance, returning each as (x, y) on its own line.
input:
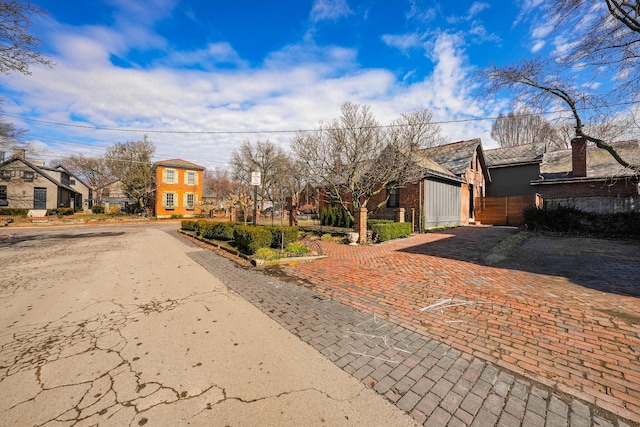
(175, 200)
(196, 178)
(184, 200)
(164, 200)
(164, 176)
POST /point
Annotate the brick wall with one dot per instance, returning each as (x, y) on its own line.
(618, 187)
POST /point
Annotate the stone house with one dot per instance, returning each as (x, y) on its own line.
(30, 185)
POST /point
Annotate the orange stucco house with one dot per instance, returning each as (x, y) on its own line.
(178, 188)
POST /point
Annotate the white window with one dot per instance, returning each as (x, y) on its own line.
(191, 178)
(190, 200)
(170, 176)
(169, 200)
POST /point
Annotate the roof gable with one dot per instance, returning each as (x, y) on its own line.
(40, 171)
(457, 156)
(179, 163)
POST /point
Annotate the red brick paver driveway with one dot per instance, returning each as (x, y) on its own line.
(553, 310)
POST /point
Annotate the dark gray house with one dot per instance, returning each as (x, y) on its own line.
(513, 168)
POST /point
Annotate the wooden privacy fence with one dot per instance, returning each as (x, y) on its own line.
(508, 210)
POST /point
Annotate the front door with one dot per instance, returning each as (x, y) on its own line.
(39, 198)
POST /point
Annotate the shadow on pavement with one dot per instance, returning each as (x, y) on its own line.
(602, 264)
(10, 240)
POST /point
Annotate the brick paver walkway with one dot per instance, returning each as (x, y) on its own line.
(562, 330)
(356, 313)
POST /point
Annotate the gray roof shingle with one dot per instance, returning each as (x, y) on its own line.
(516, 155)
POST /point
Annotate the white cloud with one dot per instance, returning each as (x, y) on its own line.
(209, 57)
(538, 46)
(329, 10)
(295, 88)
(477, 7)
(403, 42)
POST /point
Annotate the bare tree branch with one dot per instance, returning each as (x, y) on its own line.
(19, 48)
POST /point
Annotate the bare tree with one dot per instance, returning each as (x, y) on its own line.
(18, 48)
(356, 159)
(525, 127)
(130, 163)
(94, 171)
(10, 136)
(264, 157)
(605, 42)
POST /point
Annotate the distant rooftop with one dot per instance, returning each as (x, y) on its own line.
(179, 163)
(600, 164)
(455, 157)
(518, 154)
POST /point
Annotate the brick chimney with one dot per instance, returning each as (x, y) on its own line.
(579, 157)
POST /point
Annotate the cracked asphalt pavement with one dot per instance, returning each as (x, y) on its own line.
(117, 325)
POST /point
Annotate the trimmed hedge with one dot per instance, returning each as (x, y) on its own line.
(188, 225)
(383, 231)
(66, 211)
(14, 212)
(372, 222)
(571, 220)
(97, 209)
(249, 238)
(290, 235)
(217, 230)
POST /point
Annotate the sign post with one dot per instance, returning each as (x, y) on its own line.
(255, 182)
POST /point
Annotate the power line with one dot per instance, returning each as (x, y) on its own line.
(245, 132)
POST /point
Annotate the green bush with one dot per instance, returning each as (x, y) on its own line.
(372, 222)
(223, 230)
(565, 219)
(386, 231)
(188, 225)
(65, 211)
(335, 217)
(205, 229)
(14, 212)
(267, 254)
(290, 235)
(97, 209)
(249, 238)
(558, 219)
(214, 230)
(297, 249)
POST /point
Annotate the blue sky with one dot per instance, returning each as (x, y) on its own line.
(201, 76)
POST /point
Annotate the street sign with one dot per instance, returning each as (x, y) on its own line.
(256, 178)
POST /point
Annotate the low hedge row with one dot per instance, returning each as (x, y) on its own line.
(216, 230)
(383, 231)
(13, 212)
(248, 238)
(567, 219)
